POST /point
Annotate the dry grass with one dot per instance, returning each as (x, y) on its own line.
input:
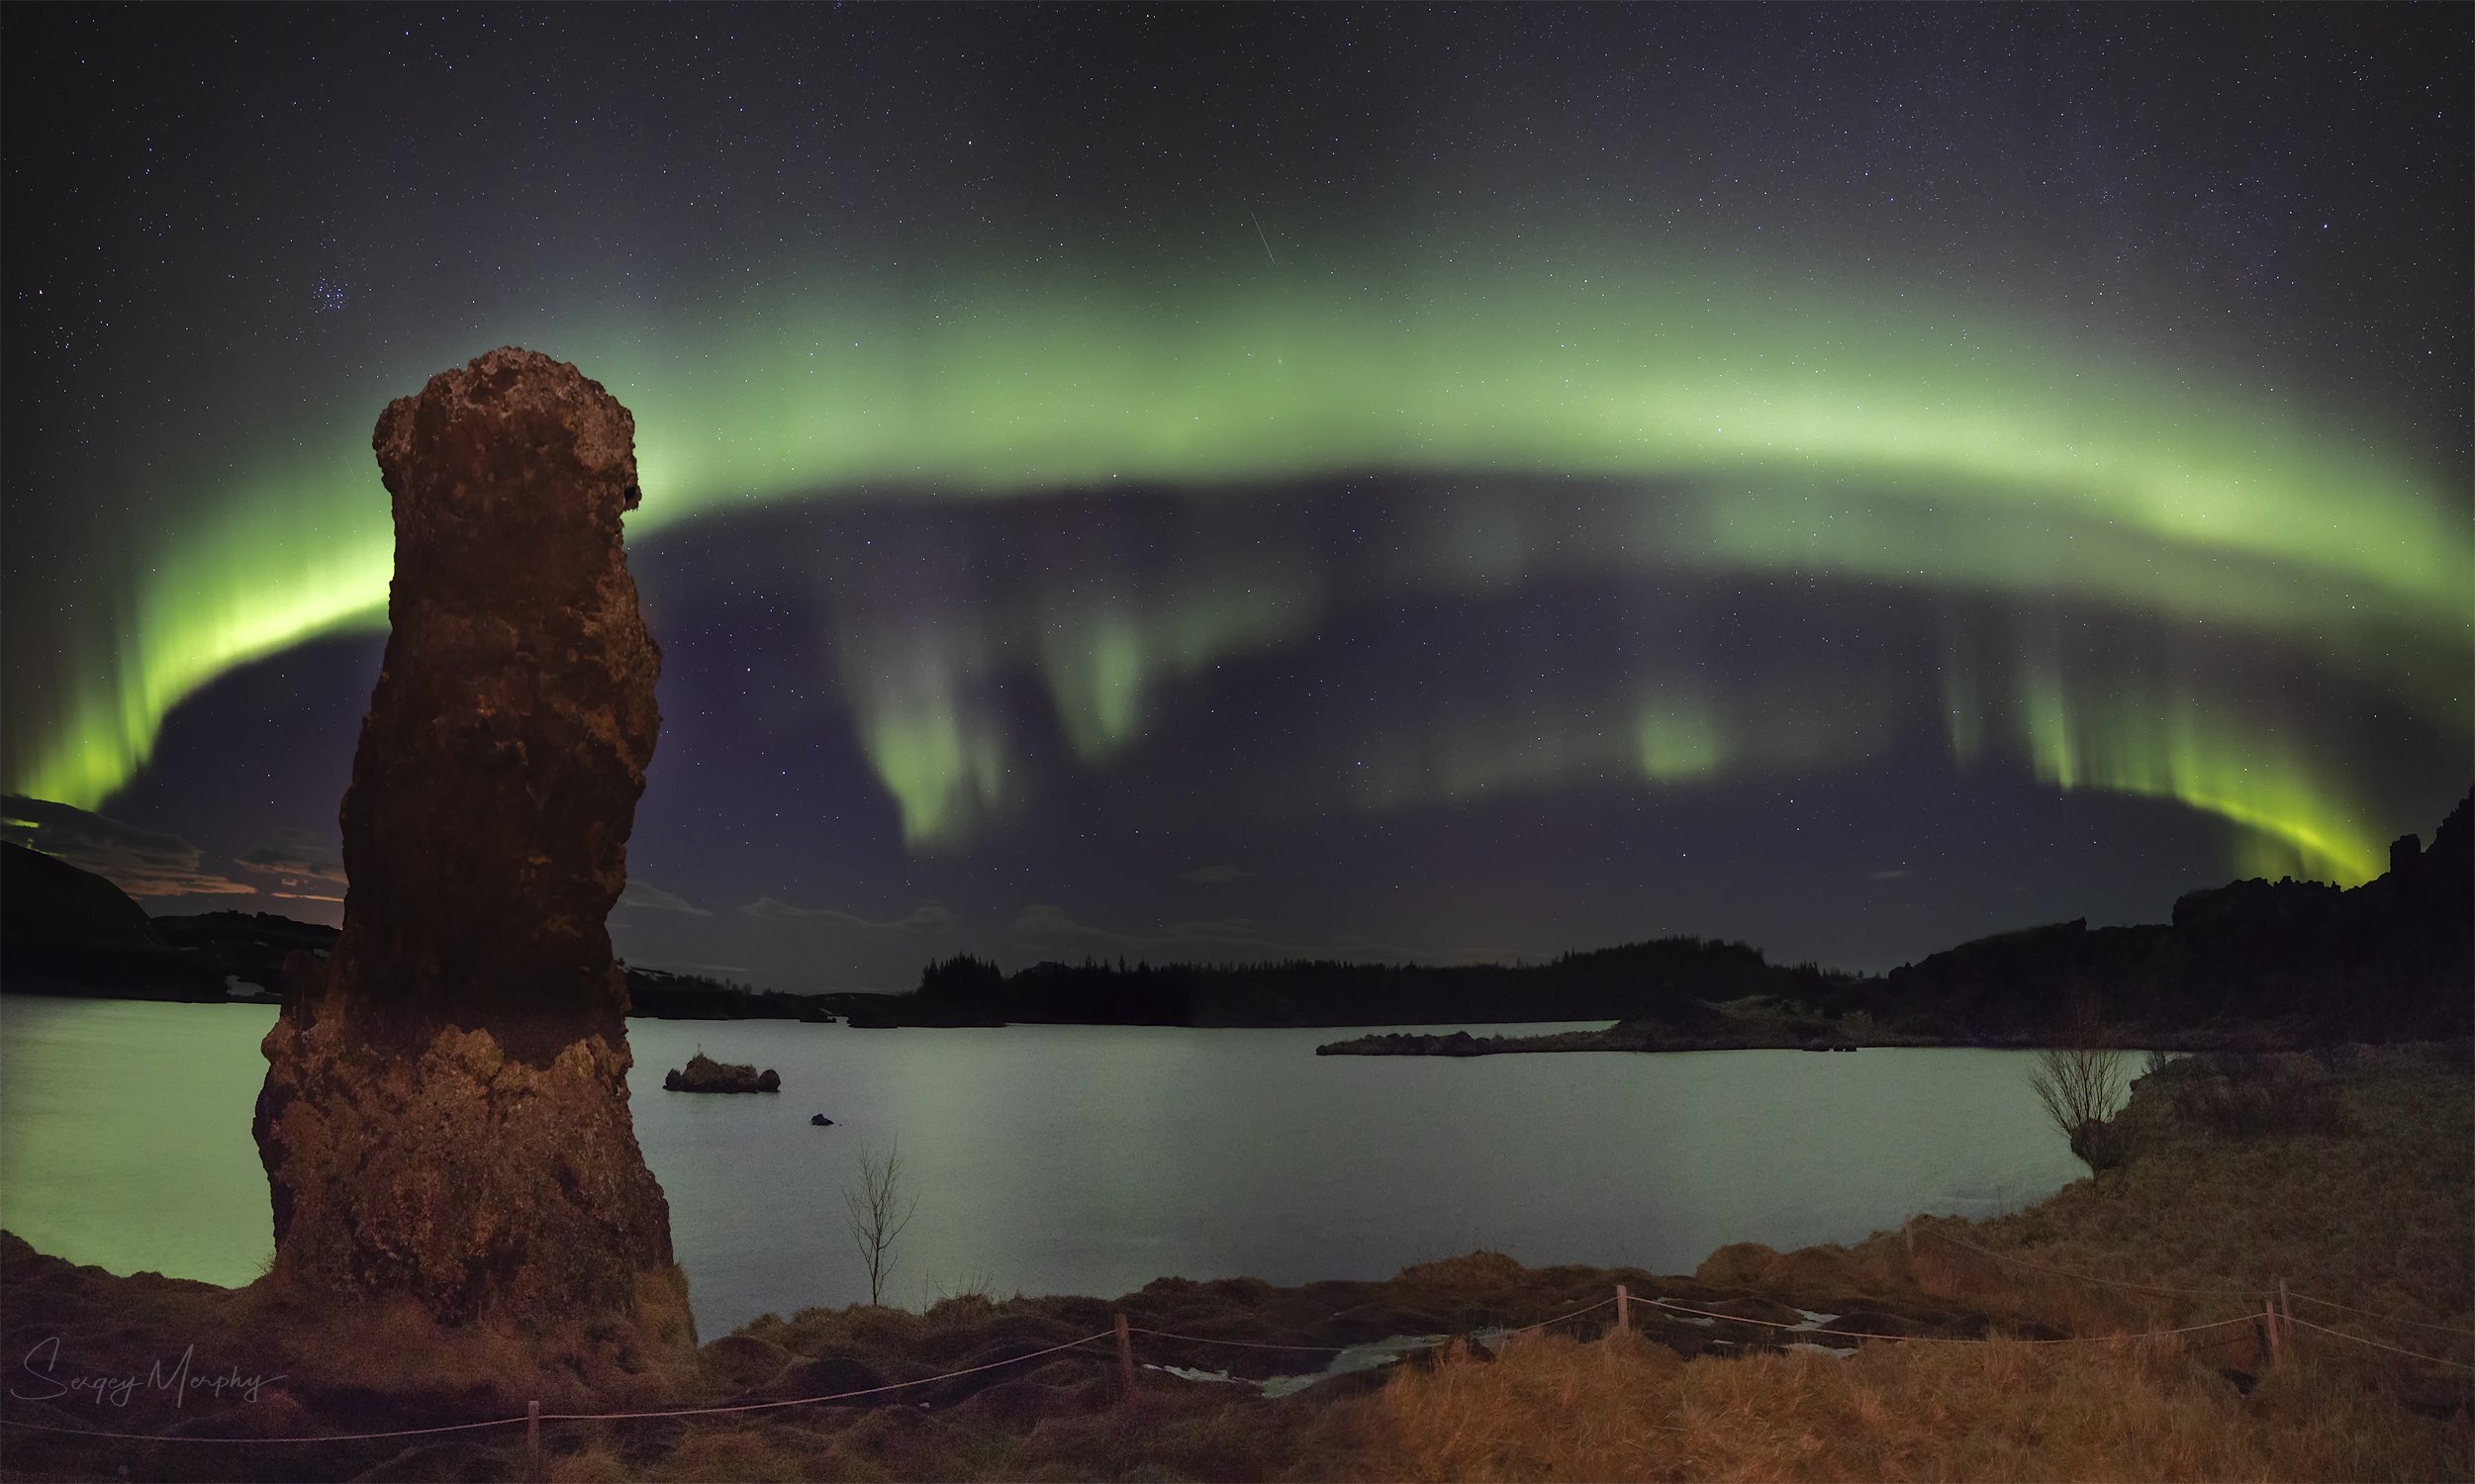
(2346, 1176)
(2370, 1202)
(2358, 1190)
(394, 1348)
(1557, 1409)
(1178, 1432)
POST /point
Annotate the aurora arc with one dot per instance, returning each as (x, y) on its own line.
(1850, 432)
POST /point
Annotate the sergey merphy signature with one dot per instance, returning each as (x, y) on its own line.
(42, 1363)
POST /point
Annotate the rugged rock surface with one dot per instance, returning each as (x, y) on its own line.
(705, 1075)
(445, 1110)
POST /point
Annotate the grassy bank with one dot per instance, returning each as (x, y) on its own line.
(2345, 1177)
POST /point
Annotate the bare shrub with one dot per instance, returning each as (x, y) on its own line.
(879, 1208)
(2083, 1085)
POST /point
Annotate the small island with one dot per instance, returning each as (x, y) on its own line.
(705, 1075)
(1748, 1026)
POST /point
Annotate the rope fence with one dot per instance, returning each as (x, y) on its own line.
(1335, 1350)
(470, 1427)
(2280, 1294)
(2090, 1277)
(1575, 1314)
(1810, 1329)
(2275, 1315)
(1243, 1345)
(2378, 1345)
(2394, 1319)
(535, 1417)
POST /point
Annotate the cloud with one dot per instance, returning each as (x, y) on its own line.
(1213, 875)
(1226, 940)
(297, 858)
(927, 917)
(140, 862)
(684, 966)
(652, 899)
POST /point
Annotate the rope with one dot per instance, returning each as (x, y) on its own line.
(1773, 1323)
(2091, 1277)
(2378, 1345)
(839, 1396)
(502, 1422)
(835, 1396)
(2389, 1318)
(496, 1421)
(1334, 1349)
(1244, 1345)
(2420, 1324)
(1560, 1319)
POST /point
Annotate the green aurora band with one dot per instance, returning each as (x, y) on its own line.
(1851, 433)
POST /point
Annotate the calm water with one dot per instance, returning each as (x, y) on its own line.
(1085, 1159)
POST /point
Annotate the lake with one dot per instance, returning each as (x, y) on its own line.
(1086, 1159)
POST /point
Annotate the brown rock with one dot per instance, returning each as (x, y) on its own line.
(445, 1109)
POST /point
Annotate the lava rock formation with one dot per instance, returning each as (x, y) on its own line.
(445, 1110)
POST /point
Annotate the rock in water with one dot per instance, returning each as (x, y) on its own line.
(445, 1110)
(705, 1075)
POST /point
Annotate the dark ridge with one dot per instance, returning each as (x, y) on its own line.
(67, 931)
(2285, 963)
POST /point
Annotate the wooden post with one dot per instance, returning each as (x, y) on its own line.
(532, 1442)
(2277, 1347)
(1125, 1360)
(1624, 1309)
(2285, 1312)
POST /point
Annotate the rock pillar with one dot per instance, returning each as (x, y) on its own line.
(445, 1110)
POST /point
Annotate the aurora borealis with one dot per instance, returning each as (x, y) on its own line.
(2013, 464)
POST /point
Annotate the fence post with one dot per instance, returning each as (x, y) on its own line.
(2277, 1348)
(532, 1442)
(1125, 1360)
(1624, 1309)
(2285, 1312)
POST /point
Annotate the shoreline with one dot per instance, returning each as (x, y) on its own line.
(1392, 1038)
(1631, 1037)
(2240, 1172)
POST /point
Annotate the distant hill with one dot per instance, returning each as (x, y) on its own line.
(249, 946)
(1671, 976)
(693, 997)
(2392, 958)
(2293, 961)
(67, 931)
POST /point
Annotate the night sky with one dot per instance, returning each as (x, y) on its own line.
(1232, 484)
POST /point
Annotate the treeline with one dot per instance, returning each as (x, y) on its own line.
(2297, 962)
(2393, 959)
(2300, 962)
(665, 995)
(1666, 976)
